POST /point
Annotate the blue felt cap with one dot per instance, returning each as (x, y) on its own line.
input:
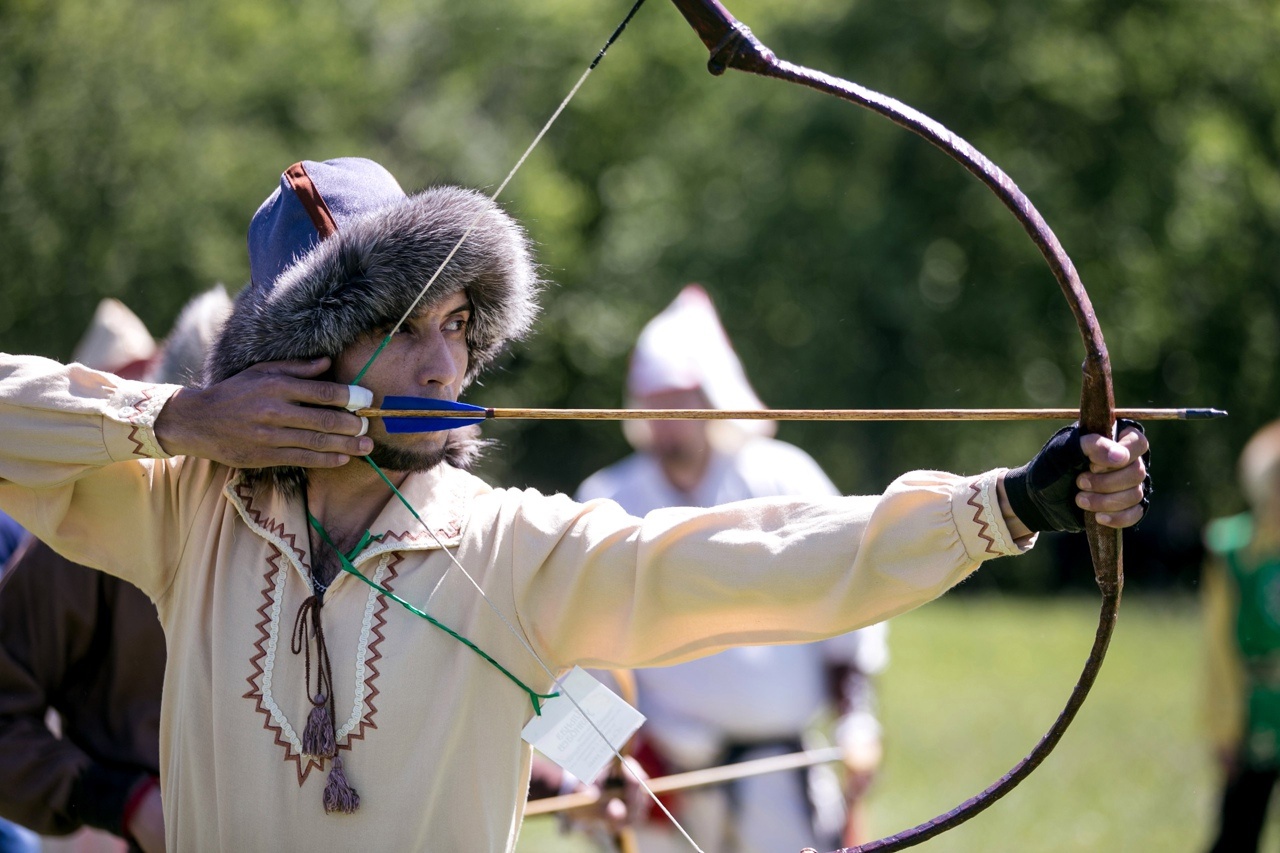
(285, 228)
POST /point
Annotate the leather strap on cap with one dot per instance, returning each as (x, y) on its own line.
(312, 202)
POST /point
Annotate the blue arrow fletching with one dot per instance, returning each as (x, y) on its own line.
(429, 424)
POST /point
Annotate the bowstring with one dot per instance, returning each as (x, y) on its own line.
(475, 222)
(537, 139)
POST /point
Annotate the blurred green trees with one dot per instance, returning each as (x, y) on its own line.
(854, 264)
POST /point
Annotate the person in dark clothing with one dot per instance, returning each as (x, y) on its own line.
(94, 652)
(10, 537)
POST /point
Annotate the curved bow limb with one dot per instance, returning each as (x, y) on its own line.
(732, 45)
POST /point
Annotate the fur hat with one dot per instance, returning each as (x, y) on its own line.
(338, 250)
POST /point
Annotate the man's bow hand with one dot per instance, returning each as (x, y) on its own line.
(1074, 473)
(1118, 484)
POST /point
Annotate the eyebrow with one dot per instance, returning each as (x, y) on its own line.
(443, 303)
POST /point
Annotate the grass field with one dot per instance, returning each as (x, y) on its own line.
(974, 681)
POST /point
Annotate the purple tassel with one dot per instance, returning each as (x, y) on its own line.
(317, 737)
(339, 796)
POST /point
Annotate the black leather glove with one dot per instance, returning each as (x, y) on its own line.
(1043, 492)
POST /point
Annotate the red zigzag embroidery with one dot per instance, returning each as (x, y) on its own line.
(978, 519)
(374, 654)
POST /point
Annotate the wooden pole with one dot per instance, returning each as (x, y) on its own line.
(695, 778)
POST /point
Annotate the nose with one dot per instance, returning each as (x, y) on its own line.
(437, 361)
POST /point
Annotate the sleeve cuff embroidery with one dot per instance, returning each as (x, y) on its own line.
(982, 527)
(137, 405)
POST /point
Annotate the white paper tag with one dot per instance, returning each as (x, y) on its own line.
(562, 734)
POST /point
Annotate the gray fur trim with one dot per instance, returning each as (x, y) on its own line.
(365, 277)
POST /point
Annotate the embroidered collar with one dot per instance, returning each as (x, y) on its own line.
(442, 495)
(443, 498)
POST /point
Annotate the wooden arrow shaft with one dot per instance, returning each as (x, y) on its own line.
(794, 414)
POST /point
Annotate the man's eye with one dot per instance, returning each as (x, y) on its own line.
(457, 324)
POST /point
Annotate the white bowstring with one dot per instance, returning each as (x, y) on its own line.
(519, 163)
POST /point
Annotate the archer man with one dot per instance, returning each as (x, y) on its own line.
(306, 706)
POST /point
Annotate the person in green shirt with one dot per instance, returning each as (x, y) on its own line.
(1242, 601)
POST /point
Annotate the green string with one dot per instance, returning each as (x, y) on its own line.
(349, 568)
(371, 360)
(347, 561)
(364, 540)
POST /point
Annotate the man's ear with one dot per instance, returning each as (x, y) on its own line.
(330, 374)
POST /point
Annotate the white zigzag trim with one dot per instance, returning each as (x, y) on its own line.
(273, 640)
(362, 652)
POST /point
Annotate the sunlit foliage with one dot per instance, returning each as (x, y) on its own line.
(853, 263)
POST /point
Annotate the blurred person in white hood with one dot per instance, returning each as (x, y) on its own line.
(752, 701)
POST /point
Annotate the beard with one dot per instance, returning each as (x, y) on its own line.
(405, 459)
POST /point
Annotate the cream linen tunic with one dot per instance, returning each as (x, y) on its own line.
(429, 732)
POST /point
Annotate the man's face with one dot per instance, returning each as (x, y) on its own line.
(677, 442)
(427, 358)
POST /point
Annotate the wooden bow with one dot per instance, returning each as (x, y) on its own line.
(732, 46)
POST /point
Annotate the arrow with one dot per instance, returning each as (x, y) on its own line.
(417, 414)
(696, 778)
